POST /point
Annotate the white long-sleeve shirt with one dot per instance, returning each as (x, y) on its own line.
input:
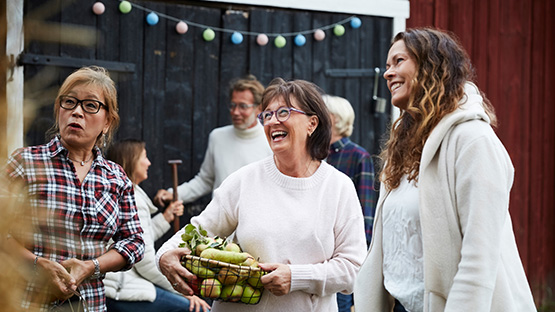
(314, 224)
(228, 150)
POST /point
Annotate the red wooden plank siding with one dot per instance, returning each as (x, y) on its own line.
(511, 46)
(536, 148)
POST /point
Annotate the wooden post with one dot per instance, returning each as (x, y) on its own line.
(174, 163)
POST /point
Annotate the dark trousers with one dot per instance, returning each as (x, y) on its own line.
(398, 307)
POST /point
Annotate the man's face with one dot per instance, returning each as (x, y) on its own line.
(243, 118)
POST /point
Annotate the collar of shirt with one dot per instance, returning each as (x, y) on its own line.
(55, 148)
(339, 144)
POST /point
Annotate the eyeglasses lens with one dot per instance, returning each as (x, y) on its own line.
(282, 114)
(89, 106)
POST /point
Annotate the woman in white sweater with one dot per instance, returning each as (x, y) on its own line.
(443, 237)
(144, 288)
(295, 213)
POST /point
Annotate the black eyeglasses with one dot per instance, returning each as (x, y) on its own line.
(89, 106)
(242, 106)
(282, 114)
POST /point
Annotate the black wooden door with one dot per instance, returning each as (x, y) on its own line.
(172, 88)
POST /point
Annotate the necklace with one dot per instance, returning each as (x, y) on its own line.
(307, 172)
(82, 162)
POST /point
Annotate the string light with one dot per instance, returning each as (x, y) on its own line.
(236, 36)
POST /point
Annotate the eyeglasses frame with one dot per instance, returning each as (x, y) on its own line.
(80, 102)
(233, 106)
(274, 113)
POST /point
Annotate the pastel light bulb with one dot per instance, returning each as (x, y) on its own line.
(339, 30)
(98, 8)
(300, 40)
(181, 27)
(319, 35)
(236, 38)
(280, 41)
(208, 34)
(152, 18)
(262, 39)
(356, 22)
(125, 7)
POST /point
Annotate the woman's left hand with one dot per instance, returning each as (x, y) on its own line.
(79, 270)
(196, 304)
(174, 209)
(278, 281)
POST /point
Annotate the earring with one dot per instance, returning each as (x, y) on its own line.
(103, 140)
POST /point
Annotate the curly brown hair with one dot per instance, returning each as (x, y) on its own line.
(442, 69)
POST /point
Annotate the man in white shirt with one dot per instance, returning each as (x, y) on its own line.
(229, 147)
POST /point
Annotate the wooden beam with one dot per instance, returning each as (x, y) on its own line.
(37, 59)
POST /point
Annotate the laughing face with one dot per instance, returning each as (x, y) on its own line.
(79, 129)
(291, 135)
(400, 71)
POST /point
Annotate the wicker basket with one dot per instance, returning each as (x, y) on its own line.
(224, 281)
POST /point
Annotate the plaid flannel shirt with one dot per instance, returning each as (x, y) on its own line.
(71, 219)
(353, 160)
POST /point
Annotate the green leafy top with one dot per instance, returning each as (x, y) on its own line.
(194, 237)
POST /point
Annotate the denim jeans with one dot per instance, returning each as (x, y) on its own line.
(398, 307)
(165, 302)
(344, 302)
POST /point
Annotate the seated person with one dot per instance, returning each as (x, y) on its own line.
(144, 288)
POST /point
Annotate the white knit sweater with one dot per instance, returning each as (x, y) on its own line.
(313, 224)
(228, 150)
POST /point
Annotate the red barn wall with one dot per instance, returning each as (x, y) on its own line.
(512, 48)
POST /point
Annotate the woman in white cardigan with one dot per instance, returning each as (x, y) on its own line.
(144, 288)
(443, 237)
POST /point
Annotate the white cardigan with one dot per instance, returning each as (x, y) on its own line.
(471, 261)
(137, 284)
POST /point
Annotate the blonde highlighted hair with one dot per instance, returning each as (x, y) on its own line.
(99, 77)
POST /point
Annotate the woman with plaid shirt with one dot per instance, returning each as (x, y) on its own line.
(78, 201)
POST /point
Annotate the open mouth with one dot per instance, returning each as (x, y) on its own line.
(75, 126)
(396, 86)
(278, 135)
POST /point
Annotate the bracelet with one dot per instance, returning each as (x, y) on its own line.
(35, 263)
(96, 274)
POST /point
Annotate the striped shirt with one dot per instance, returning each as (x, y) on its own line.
(74, 219)
(353, 160)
